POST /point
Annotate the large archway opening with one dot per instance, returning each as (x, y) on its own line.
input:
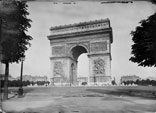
(79, 65)
(77, 51)
(83, 68)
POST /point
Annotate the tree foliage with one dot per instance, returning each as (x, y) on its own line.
(15, 23)
(144, 38)
(146, 82)
(153, 1)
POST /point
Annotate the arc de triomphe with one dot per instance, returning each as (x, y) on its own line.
(68, 42)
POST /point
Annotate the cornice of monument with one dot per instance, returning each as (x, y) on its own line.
(79, 33)
(82, 28)
(80, 24)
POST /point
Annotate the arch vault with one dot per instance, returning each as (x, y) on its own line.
(68, 42)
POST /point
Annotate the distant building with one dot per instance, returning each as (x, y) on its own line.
(2, 77)
(25, 78)
(34, 78)
(12, 78)
(129, 78)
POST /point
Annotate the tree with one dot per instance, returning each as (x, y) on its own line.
(14, 40)
(153, 1)
(144, 38)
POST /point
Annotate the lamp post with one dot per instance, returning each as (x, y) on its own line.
(20, 90)
(94, 79)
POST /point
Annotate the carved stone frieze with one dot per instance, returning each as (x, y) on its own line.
(99, 66)
(98, 46)
(58, 50)
(58, 69)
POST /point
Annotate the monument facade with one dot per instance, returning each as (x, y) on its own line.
(68, 42)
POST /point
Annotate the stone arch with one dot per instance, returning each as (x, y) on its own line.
(70, 46)
(76, 51)
(68, 42)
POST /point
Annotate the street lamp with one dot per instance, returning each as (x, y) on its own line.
(94, 79)
(20, 90)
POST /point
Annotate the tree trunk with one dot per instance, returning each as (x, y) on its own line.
(6, 81)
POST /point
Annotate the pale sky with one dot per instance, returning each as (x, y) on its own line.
(123, 17)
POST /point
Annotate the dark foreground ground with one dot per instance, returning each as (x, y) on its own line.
(110, 99)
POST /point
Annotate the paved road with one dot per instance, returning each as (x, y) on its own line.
(81, 100)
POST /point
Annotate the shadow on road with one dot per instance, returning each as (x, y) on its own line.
(126, 92)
